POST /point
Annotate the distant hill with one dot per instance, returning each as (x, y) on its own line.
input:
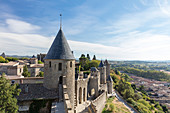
(16, 56)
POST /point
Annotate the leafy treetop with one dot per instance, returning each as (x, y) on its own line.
(8, 102)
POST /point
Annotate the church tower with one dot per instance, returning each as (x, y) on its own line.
(59, 67)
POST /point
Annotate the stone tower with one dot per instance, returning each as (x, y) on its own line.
(109, 84)
(107, 67)
(59, 67)
(102, 70)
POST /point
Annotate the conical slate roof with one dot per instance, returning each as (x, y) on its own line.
(101, 64)
(60, 48)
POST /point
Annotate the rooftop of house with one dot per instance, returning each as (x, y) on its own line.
(35, 91)
(13, 77)
(36, 65)
(9, 64)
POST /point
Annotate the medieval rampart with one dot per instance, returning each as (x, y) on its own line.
(99, 102)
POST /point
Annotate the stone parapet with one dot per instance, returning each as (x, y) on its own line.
(99, 102)
(67, 103)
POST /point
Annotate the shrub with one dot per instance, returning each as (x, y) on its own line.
(137, 96)
(40, 62)
(41, 74)
(131, 101)
(159, 107)
(12, 59)
(144, 102)
(3, 60)
(112, 107)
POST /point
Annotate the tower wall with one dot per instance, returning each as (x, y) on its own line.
(94, 83)
(52, 75)
(70, 80)
(110, 87)
(107, 69)
(102, 74)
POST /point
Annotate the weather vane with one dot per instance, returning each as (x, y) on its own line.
(60, 21)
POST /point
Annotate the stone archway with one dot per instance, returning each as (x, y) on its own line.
(80, 95)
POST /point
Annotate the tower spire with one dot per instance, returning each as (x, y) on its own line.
(60, 21)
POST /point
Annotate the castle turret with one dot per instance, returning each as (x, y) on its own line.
(102, 70)
(106, 63)
(3, 55)
(59, 66)
(109, 78)
(109, 84)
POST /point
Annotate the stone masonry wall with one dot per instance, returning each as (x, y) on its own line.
(99, 102)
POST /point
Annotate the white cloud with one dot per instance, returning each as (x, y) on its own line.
(164, 6)
(18, 26)
(142, 47)
(129, 43)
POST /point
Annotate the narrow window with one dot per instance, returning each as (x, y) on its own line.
(49, 63)
(70, 64)
(55, 66)
(60, 66)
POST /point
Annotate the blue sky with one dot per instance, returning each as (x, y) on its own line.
(112, 29)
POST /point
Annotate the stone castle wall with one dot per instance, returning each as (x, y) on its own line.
(66, 99)
(99, 102)
(81, 84)
(28, 80)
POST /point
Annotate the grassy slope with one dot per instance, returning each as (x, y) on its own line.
(113, 105)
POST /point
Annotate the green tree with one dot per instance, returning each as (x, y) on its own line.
(8, 102)
(141, 88)
(165, 109)
(24, 58)
(41, 74)
(83, 56)
(94, 57)
(133, 86)
(94, 63)
(11, 59)
(88, 56)
(131, 101)
(40, 62)
(3, 60)
(117, 72)
(25, 72)
(137, 96)
(128, 93)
